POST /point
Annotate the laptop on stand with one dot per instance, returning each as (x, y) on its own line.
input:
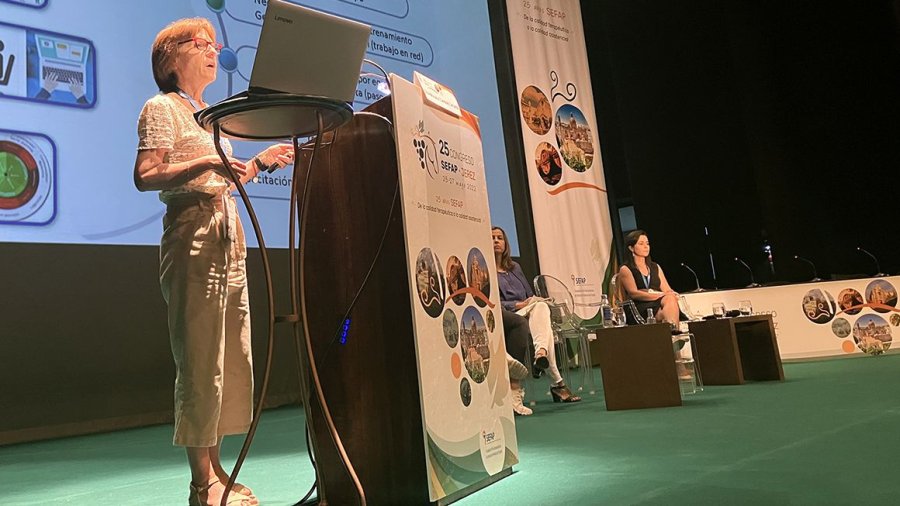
(306, 52)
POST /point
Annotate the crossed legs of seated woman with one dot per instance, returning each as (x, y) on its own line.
(518, 340)
(532, 332)
(518, 298)
(668, 309)
(538, 314)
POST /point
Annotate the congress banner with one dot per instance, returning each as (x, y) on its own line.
(469, 431)
(562, 150)
(827, 318)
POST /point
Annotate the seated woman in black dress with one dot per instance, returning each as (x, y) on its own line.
(642, 280)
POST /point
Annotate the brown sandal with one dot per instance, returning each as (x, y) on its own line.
(234, 499)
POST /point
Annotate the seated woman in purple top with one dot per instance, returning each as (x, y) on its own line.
(516, 295)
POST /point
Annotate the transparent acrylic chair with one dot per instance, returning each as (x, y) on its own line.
(684, 351)
(690, 380)
(534, 388)
(567, 328)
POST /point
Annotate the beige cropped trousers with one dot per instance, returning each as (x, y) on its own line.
(204, 283)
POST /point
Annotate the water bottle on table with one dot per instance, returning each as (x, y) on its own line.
(606, 311)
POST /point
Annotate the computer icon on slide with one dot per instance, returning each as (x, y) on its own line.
(61, 60)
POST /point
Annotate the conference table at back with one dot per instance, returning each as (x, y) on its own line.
(637, 363)
(730, 351)
(817, 319)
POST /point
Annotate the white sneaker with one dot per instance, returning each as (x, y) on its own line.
(518, 397)
(517, 370)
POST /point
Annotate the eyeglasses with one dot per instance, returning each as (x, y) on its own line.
(203, 44)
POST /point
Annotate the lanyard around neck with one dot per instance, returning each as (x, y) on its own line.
(645, 278)
(184, 95)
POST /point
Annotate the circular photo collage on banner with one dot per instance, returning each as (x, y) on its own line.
(574, 138)
(871, 332)
(474, 344)
(465, 392)
(819, 306)
(466, 330)
(548, 164)
(574, 146)
(451, 328)
(882, 295)
(841, 327)
(850, 301)
(536, 113)
(430, 283)
(456, 280)
(479, 277)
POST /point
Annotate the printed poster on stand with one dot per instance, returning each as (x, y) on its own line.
(469, 431)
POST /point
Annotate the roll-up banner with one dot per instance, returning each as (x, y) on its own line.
(469, 432)
(562, 151)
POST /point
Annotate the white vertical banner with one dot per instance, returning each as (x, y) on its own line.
(469, 433)
(562, 150)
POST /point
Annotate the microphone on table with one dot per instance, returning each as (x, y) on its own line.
(877, 265)
(812, 265)
(696, 279)
(753, 283)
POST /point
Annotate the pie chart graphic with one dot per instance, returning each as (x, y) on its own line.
(18, 175)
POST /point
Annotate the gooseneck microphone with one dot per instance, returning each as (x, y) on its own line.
(879, 274)
(753, 283)
(696, 279)
(812, 265)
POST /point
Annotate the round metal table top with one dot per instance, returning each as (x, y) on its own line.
(270, 116)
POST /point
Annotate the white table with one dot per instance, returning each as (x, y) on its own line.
(818, 319)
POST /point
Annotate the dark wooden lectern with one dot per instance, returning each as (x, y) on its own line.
(370, 380)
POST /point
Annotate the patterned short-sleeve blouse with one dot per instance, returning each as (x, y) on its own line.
(165, 123)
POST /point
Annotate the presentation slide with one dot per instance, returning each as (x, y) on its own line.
(75, 75)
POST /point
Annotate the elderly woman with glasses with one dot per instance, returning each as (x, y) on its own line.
(202, 255)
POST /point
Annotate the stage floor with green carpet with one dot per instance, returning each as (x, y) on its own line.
(829, 434)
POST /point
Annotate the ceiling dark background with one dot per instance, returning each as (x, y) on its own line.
(759, 121)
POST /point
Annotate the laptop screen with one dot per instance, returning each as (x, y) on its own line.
(307, 52)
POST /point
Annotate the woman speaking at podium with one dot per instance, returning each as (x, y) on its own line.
(202, 255)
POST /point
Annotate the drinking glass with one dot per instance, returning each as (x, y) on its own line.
(718, 309)
(619, 316)
(746, 307)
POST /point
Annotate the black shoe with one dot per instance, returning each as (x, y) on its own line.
(540, 364)
(561, 393)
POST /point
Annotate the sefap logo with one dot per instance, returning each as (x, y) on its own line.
(578, 280)
(425, 149)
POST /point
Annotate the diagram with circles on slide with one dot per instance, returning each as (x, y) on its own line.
(27, 178)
